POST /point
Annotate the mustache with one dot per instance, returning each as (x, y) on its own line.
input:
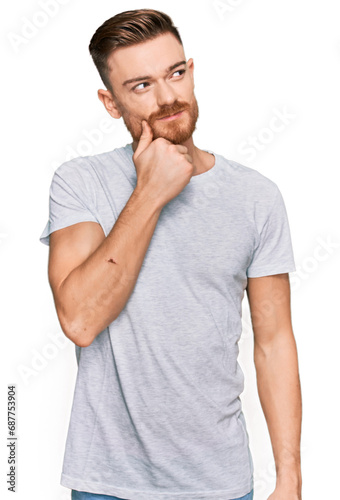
(167, 111)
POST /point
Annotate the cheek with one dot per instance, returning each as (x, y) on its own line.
(188, 94)
(140, 105)
(133, 118)
(137, 115)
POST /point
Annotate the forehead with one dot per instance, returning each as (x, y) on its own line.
(147, 58)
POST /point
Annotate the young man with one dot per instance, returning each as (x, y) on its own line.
(152, 246)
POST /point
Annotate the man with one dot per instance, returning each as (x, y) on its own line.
(152, 246)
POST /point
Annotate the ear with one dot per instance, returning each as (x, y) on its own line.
(190, 65)
(106, 98)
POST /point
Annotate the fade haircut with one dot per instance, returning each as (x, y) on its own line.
(123, 30)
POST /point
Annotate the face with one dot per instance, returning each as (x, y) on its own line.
(163, 86)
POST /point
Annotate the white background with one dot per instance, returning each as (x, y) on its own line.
(253, 60)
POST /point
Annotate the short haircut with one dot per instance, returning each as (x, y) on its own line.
(123, 30)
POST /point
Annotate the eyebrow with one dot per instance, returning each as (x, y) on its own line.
(140, 78)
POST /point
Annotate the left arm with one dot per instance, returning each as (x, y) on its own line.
(278, 382)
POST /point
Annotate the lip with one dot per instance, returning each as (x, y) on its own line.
(172, 117)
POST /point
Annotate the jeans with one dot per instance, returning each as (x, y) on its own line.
(82, 495)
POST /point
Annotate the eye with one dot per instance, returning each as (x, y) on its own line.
(181, 71)
(143, 83)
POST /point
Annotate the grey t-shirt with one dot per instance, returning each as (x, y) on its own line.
(156, 413)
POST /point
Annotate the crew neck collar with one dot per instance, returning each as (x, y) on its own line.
(195, 178)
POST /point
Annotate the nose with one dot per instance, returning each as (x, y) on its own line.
(165, 94)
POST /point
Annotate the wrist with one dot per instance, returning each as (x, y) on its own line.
(290, 475)
(288, 464)
(143, 197)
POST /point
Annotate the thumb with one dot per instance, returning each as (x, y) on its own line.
(145, 139)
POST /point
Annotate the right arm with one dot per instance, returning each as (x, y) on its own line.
(92, 276)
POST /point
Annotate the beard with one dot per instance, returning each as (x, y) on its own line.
(176, 131)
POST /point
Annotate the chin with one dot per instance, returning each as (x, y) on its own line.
(174, 136)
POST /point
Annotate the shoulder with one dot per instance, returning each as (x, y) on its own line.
(83, 169)
(249, 183)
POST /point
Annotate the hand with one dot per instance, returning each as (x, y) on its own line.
(288, 485)
(163, 168)
(285, 493)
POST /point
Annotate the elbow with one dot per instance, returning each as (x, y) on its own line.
(80, 341)
(75, 331)
(80, 330)
(75, 326)
(79, 335)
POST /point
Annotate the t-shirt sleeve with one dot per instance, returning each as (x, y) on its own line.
(273, 253)
(69, 199)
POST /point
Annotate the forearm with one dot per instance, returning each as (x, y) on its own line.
(279, 391)
(94, 293)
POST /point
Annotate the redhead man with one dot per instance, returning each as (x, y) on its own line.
(152, 246)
